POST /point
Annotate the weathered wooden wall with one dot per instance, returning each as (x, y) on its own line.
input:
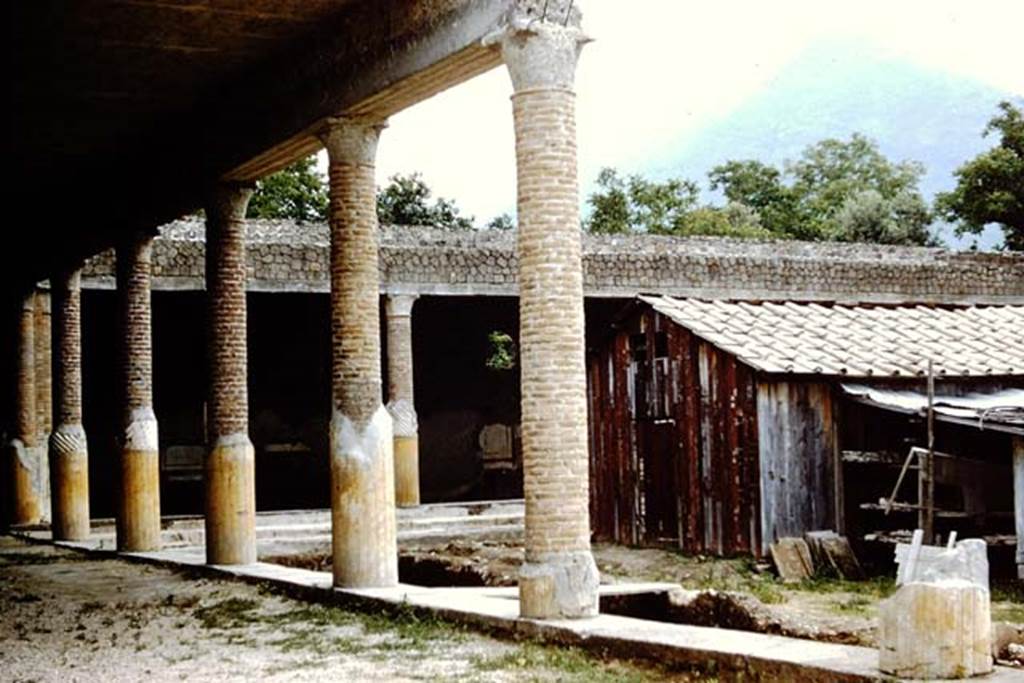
(797, 446)
(673, 436)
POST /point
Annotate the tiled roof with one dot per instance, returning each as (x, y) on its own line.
(857, 341)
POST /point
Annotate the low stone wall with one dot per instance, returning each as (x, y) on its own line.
(289, 257)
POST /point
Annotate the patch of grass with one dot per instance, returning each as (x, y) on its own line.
(313, 614)
(229, 613)
(16, 558)
(767, 592)
(569, 663)
(858, 604)
(1011, 613)
(413, 629)
(313, 641)
(574, 664)
(1008, 591)
(878, 587)
(1008, 601)
(738, 576)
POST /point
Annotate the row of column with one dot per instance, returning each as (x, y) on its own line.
(373, 448)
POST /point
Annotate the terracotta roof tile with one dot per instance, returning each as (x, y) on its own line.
(857, 341)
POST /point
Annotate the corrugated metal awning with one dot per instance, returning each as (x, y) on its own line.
(998, 410)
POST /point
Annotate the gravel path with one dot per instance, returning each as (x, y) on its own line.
(69, 617)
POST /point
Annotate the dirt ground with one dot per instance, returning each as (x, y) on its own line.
(821, 609)
(67, 617)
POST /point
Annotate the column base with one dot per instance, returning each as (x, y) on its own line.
(69, 477)
(407, 471)
(363, 527)
(138, 521)
(231, 501)
(559, 586)
(138, 517)
(27, 479)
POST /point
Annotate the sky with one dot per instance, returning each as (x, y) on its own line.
(660, 70)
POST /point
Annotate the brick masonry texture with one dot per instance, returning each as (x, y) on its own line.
(551, 326)
(67, 341)
(226, 274)
(25, 397)
(400, 365)
(355, 311)
(133, 274)
(44, 379)
(285, 256)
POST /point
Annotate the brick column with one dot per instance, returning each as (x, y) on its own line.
(364, 543)
(231, 462)
(44, 371)
(559, 578)
(69, 452)
(138, 510)
(26, 459)
(400, 400)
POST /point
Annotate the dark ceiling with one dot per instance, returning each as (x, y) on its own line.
(125, 112)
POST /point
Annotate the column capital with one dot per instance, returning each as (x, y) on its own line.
(67, 280)
(42, 300)
(228, 201)
(541, 43)
(400, 305)
(352, 139)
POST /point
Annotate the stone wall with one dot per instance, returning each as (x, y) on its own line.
(288, 257)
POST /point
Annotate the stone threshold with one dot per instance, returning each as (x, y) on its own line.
(732, 655)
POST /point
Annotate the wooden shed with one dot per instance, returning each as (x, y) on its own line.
(718, 427)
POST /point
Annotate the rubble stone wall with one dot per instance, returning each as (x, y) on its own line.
(289, 257)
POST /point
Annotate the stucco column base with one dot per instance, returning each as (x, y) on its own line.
(405, 427)
(138, 518)
(363, 527)
(25, 464)
(231, 501)
(932, 631)
(69, 477)
(559, 586)
(407, 471)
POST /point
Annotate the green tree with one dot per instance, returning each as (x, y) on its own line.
(831, 172)
(501, 353)
(844, 190)
(405, 200)
(502, 222)
(869, 217)
(635, 204)
(990, 187)
(298, 193)
(759, 186)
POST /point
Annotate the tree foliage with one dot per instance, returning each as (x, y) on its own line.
(635, 204)
(990, 187)
(837, 190)
(405, 200)
(502, 222)
(298, 193)
(502, 352)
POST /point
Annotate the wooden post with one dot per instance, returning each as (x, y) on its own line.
(926, 487)
(1018, 500)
